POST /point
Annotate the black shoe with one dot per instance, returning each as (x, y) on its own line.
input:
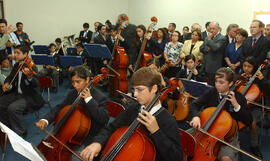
(256, 151)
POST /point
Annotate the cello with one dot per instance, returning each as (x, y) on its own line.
(250, 90)
(71, 126)
(143, 56)
(131, 143)
(119, 63)
(218, 123)
(180, 108)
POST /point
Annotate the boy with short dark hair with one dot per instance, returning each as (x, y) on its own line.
(160, 126)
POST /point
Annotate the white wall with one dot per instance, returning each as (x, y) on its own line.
(186, 12)
(44, 20)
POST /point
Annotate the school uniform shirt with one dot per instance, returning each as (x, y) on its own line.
(166, 139)
(212, 98)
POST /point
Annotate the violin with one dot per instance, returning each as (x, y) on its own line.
(71, 127)
(131, 143)
(143, 56)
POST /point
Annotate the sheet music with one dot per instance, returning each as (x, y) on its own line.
(127, 97)
(20, 145)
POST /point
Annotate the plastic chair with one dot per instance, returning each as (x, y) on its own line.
(46, 82)
(114, 108)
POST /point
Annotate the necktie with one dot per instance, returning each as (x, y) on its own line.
(253, 43)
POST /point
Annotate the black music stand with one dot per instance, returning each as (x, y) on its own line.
(195, 88)
(71, 51)
(41, 49)
(98, 50)
(43, 59)
(67, 61)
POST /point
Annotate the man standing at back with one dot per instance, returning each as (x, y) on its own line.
(255, 45)
(213, 50)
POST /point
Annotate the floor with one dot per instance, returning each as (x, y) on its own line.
(35, 135)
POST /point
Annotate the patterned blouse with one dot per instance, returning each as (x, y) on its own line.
(173, 52)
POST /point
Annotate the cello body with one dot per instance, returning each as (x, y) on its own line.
(72, 134)
(224, 127)
(180, 107)
(138, 148)
(120, 65)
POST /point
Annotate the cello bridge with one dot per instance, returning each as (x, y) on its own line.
(48, 144)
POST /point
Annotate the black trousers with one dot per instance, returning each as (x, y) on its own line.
(12, 107)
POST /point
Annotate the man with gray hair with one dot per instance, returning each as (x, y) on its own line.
(231, 33)
(213, 50)
(193, 27)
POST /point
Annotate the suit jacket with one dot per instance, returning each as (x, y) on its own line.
(187, 37)
(259, 50)
(128, 34)
(110, 43)
(96, 108)
(166, 139)
(204, 35)
(195, 51)
(33, 98)
(211, 98)
(183, 74)
(213, 58)
(86, 39)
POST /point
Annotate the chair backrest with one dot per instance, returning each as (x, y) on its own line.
(45, 82)
(114, 108)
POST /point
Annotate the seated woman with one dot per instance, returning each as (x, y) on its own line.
(233, 50)
(193, 46)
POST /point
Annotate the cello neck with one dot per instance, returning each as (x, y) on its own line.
(251, 80)
(210, 121)
(59, 125)
(114, 46)
(122, 141)
(138, 61)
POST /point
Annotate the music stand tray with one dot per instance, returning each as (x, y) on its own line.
(41, 49)
(98, 50)
(71, 51)
(43, 59)
(67, 61)
(195, 88)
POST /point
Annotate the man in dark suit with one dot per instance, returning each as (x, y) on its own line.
(128, 33)
(207, 30)
(23, 95)
(213, 50)
(86, 34)
(92, 100)
(255, 45)
(171, 29)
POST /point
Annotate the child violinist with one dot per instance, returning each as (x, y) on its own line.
(159, 125)
(22, 96)
(236, 106)
(94, 101)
